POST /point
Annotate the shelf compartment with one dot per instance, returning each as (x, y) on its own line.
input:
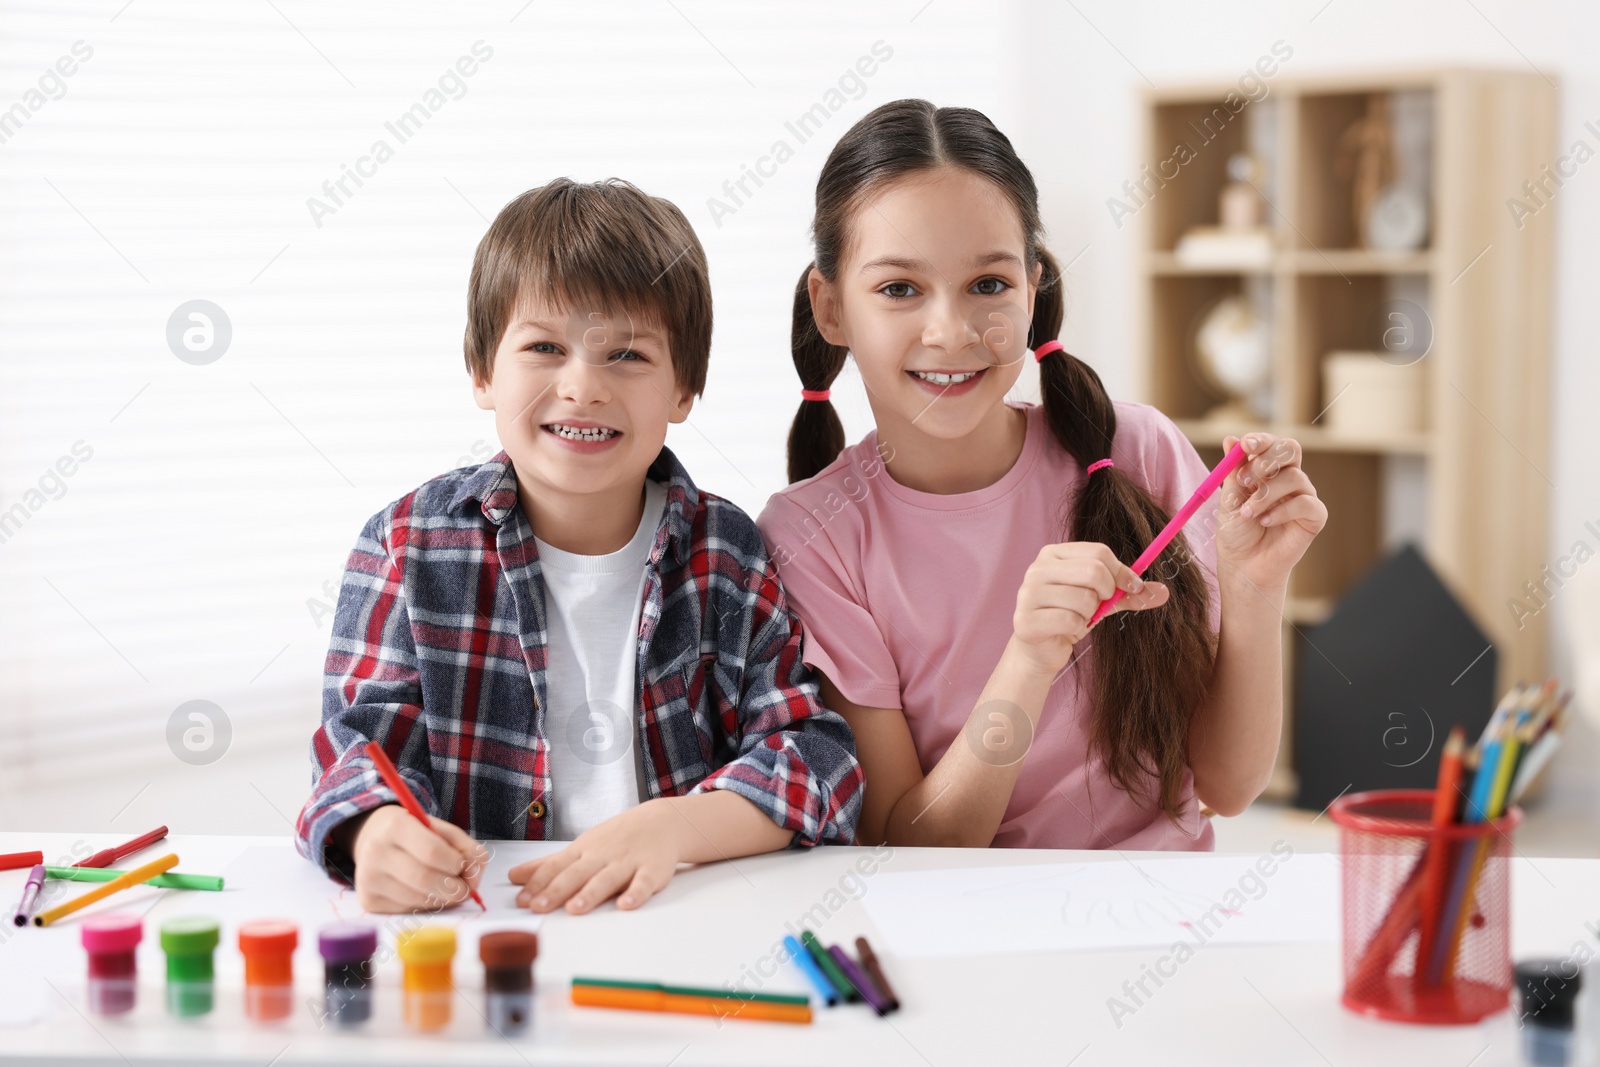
(1312, 438)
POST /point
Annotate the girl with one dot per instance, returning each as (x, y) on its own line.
(946, 566)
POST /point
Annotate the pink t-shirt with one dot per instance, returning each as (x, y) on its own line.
(907, 598)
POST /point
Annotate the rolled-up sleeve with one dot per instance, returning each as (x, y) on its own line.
(797, 759)
(371, 692)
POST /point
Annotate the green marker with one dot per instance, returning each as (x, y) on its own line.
(210, 882)
(190, 944)
(846, 987)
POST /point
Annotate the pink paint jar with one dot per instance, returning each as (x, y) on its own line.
(110, 940)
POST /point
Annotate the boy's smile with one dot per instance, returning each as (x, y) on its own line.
(583, 436)
(582, 402)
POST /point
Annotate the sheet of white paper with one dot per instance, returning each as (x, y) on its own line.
(1110, 904)
(298, 890)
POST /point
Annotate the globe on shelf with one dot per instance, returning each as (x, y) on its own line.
(1232, 353)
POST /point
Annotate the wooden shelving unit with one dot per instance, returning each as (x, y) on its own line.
(1484, 283)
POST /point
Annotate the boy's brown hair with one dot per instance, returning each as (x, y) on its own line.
(599, 246)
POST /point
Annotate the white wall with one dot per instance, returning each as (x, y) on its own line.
(177, 563)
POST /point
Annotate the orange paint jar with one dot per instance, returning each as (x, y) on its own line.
(268, 948)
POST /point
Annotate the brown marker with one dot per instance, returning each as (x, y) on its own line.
(869, 962)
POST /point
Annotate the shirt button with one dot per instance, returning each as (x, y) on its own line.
(536, 809)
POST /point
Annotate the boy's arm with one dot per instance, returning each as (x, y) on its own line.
(797, 759)
(371, 692)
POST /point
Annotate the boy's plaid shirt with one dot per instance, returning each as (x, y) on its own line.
(439, 650)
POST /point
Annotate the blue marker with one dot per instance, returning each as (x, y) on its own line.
(803, 960)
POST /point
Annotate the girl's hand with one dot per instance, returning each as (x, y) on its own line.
(1268, 512)
(634, 854)
(1059, 595)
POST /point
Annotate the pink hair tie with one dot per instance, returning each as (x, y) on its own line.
(1047, 348)
(1096, 465)
(814, 394)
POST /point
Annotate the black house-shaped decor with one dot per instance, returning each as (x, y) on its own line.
(1382, 681)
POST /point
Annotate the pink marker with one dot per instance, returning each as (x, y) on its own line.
(1212, 483)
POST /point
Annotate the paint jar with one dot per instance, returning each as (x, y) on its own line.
(347, 950)
(427, 953)
(508, 957)
(268, 946)
(1548, 990)
(110, 940)
(191, 945)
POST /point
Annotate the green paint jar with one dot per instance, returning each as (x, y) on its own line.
(191, 945)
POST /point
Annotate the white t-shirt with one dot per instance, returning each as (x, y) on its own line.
(592, 605)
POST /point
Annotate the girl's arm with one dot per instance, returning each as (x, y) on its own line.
(1233, 740)
(963, 798)
(1266, 518)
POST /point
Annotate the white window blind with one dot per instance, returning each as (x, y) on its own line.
(172, 530)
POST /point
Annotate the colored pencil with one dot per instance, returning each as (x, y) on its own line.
(1444, 806)
(1470, 867)
(137, 876)
(1391, 934)
(1213, 481)
(171, 880)
(107, 856)
(1469, 777)
(1537, 758)
(1484, 781)
(1510, 749)
(1540, 742)
(874, 969)
(808, 967)
(690, 1000)
(408, 800)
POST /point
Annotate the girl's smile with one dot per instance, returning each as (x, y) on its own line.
(948, 383)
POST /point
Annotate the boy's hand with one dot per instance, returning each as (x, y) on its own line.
(635, 853)
(401, 866)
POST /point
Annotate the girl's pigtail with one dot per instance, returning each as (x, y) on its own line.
(1142, 709)
(817, 436)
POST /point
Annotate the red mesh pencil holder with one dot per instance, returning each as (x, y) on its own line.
(1427, 912)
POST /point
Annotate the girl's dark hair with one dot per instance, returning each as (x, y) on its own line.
(1150, 668)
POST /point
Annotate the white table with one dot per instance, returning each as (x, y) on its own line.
(1228, 1005)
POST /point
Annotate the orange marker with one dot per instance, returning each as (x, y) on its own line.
(134, 877)
(690, 1000)
(408, 800)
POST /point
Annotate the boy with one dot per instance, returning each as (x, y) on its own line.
(571, 641)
